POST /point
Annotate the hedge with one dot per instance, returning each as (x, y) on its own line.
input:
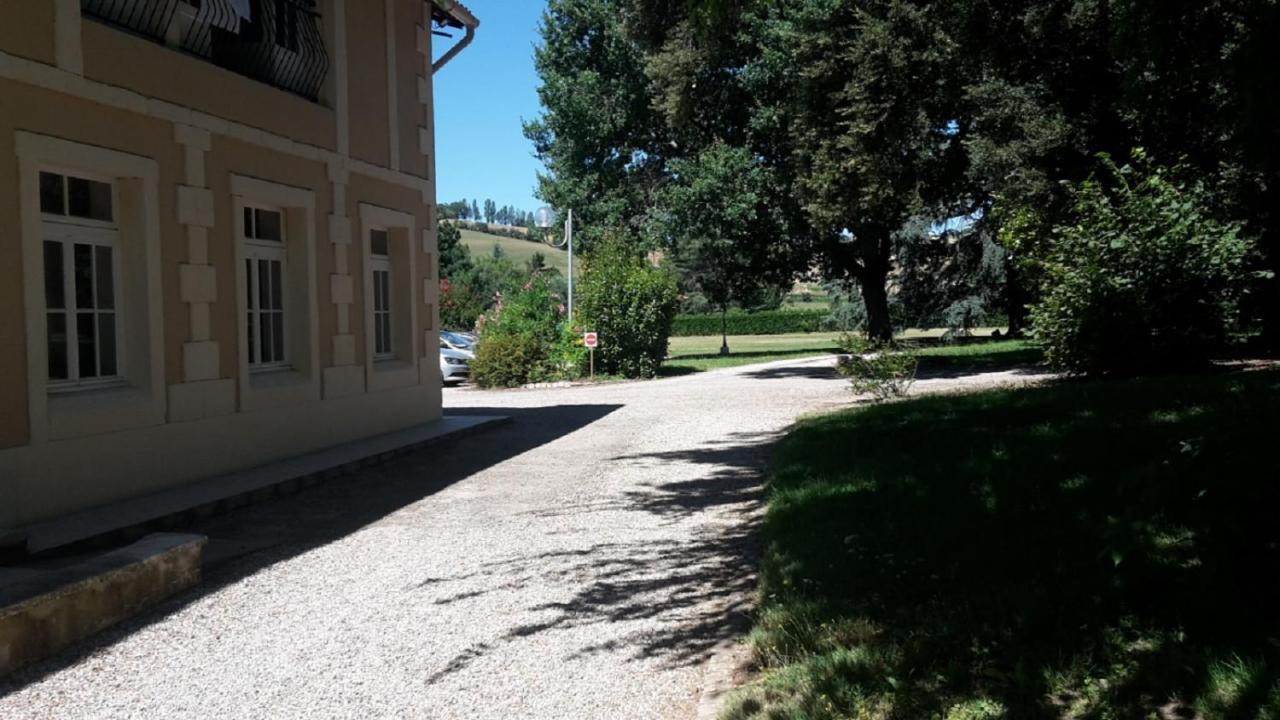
(765, 322)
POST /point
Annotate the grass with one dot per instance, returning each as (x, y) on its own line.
(701, 353)
(518, 251)
(978, 356)
(709, 344)
(1085, 550)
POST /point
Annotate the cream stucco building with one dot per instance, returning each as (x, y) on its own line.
(217, 238)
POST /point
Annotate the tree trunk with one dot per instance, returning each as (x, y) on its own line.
(872, 280)
(876, 301)
(724, 330)
(1015, 298)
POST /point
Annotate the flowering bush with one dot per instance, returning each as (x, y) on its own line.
(524, 338)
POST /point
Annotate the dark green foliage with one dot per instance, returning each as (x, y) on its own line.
(1053, 82)
(474, 289)
(866, 95)
(1142, 277)
(952, 278)
(724, 228)
(462, 296)
(864, 116)
(631, 304)
(598, 136)
(765, 322)
(454, 256)
(523, 339)
(1089, 550)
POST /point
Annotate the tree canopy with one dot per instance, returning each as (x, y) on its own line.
(870, 117)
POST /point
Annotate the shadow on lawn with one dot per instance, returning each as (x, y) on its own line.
(247, 540)
(1087, 550)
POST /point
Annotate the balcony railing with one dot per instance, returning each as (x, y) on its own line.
(278, 42)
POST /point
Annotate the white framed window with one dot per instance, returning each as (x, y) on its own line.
(391, 340)
(93, 301)
(266, 275)
(380, 271)
(81, 264)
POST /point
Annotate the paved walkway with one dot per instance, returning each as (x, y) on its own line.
(581, 562)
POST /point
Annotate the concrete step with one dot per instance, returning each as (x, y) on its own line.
(43, 611)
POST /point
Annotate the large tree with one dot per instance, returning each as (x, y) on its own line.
(724, 230)
(868, 114)
(865, 92)
(599, 136)
(1049, 84)
(646, 130)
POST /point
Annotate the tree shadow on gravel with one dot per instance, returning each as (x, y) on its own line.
(702, 586)
(787, 372)
(247, 540)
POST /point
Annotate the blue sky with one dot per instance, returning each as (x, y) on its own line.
(480, 98)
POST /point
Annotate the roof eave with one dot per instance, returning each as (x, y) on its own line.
(457, 12)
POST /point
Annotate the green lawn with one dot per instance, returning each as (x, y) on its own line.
(978, 356)
(699, 353)
(518, 251)
(696, 354)
(1084, 550)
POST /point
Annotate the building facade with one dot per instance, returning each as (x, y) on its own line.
(217, 238)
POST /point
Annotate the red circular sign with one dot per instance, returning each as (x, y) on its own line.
(590, 339)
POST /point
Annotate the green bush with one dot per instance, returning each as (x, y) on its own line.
(876, 369)
(1144, 278)
(522, 339)
(510, 361)
(472, 289)
(765, 322)
(631, 304)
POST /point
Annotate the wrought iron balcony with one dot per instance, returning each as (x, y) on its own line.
(278, 42)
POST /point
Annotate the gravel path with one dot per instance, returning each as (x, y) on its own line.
(582, 562)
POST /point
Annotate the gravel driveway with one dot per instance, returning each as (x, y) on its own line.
(581, 562)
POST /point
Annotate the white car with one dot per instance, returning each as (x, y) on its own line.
(455, 365)
(458, 341)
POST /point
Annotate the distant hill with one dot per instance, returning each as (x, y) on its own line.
(517, 251)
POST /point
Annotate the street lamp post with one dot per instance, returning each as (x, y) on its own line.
(545, 219)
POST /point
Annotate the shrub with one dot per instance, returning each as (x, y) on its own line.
(510, 361)
(876, 369)
(765, 322)
(1142, 278)
(522, 338)
(473, 288)
(631, 304)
